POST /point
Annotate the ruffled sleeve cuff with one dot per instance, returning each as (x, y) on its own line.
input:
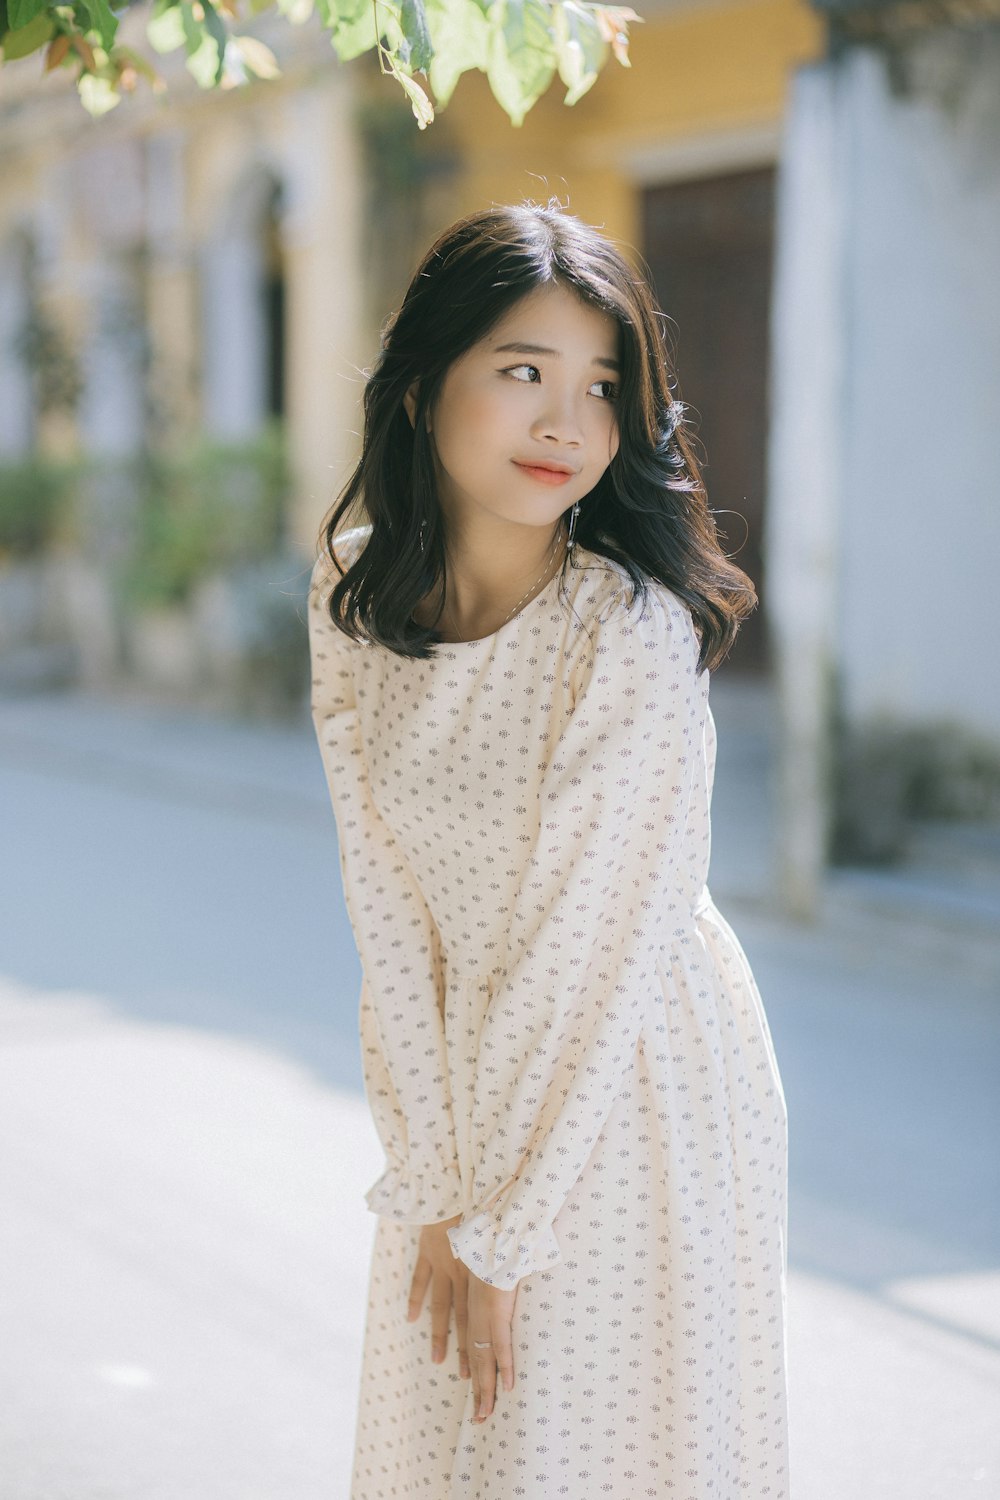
(413, 1196)
(502, 1257)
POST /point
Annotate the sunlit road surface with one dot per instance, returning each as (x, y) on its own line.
(184, 1144)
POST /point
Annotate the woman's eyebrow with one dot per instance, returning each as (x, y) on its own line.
(608, 364)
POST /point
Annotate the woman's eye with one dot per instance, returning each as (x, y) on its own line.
(511, 370)
(608, 392)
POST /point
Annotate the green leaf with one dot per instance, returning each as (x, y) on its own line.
(352, 26)
(216, 29)
(165, 28)
(390, 28)
(105, 22)
(461, 36)
(582, 49)
(21, 13)
(422, 107)
(507, 17)
(203, 62)
(522, 55)
(413, 20)
(257, 57)
(24, 40)
(298, 12)
(205, 42)
(97, 93)
(194, 31)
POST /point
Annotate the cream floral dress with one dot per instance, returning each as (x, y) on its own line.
(563, 1042)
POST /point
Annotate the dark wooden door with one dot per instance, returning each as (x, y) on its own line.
(708, 244)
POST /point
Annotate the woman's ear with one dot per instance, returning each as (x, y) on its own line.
(410, 403)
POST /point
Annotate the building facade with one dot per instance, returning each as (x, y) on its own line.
(816, 195)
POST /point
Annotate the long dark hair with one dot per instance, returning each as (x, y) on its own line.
(648, 512)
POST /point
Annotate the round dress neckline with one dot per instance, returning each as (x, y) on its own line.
(483, 640)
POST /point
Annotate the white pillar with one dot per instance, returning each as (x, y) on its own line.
(17, 416)
(112, 411)
(804, 478)
(328, 342)
(234, 336)
(234, 313)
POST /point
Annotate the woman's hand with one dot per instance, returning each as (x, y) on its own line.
(448, 1279)
(483, 1315)
(491, 1313)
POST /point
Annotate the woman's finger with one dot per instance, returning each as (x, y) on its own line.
(461, 1292)
(440, 1314)
(484, 1380)
(418, 1286)
(503, 1351)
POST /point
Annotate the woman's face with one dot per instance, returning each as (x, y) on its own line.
(539, 390)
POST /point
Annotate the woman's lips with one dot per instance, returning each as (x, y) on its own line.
(544, 476)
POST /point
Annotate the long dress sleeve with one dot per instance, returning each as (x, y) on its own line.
(401, 1004)
(587, 927)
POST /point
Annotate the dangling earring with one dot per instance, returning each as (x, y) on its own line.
(571, 539)
(422, 527)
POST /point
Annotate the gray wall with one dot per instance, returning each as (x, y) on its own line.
(883, 520)
(919, 534)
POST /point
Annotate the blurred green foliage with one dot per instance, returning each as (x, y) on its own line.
(207, 508)
(35, 494)
(161, 520)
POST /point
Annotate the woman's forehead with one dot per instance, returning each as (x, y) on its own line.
(550, 316)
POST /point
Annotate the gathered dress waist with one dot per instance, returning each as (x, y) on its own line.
(471, 963)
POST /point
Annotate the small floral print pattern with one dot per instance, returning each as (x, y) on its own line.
(563, 1043)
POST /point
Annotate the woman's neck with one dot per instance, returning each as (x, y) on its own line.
(484, 591)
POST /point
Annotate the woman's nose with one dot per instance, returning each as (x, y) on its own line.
(560, 420)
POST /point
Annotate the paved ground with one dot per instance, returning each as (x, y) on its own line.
(183, 1243)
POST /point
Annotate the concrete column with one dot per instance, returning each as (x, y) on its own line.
(17, 419)
(234, 334)
(804, 471)
(171, 292)
(112, 413)
(328, 343)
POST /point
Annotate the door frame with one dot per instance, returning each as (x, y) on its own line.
(710, 154)
(650, 160)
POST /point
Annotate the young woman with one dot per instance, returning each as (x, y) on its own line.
(579, 1271)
